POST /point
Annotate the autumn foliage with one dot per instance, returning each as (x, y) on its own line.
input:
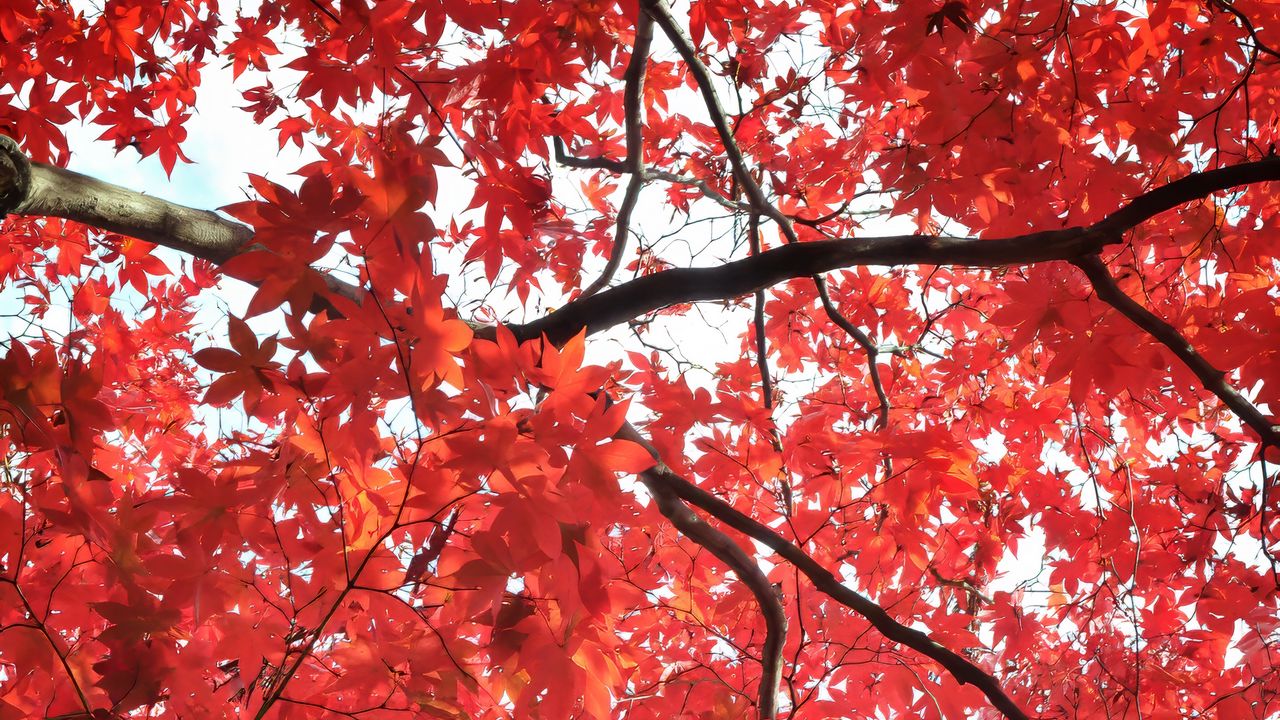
(822, 359)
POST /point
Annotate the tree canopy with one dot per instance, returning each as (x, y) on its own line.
(708, 359)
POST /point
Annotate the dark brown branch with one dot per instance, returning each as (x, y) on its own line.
(1213, 379)
(762, 343)
(724, 548)
(581, 163)
(1248, 26)
(36, 195)
(633, 104)
(661, 14)
(683, 285)
(766, 379)
(860, 337)
(756, 195)
(1183, 190)
(960, 668)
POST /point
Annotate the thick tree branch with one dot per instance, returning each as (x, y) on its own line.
(32, 188)
(1184, 190)
(28, 188)
(1214, 380)
(649, 293)
(633, 103)
(58, 192)
(724, 548)
(682, 285)
(961, 669)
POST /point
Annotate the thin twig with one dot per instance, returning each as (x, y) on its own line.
(766, 380)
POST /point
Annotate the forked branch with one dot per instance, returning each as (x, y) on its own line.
(964, 671)
(748, 571)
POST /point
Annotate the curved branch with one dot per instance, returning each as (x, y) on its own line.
(633, 102)
(585, 163)
(618, 167)
(1186, 189)
(661, 14)
(964, 671)
(1214, 380)
(41, 627)
(872, 350)
(720, 545)
(63, 193)
(684, 285)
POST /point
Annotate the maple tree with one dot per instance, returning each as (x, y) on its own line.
(486, 461)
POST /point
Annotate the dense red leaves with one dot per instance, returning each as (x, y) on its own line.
(368, 507)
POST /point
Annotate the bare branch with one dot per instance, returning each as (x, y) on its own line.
(755, 194)
(762, 362)
(41, 191)
(860, 337)
(661, 14)
(39, 625)
(581, 163)
(33, 188)
(55, 191)
(619, 167)
(648, 293)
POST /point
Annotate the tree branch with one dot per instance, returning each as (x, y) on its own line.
(633, 102)
(28, 188)
(964, 671)
(581, 163)
(649, 293)
(661, 14)
(683, 285)
(41, 189)
(766, 380)
(1214, 380)
(755, 193)
(720, 545)
(40, 626)
(618, 167)
(33, 188)
(1185, 189)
